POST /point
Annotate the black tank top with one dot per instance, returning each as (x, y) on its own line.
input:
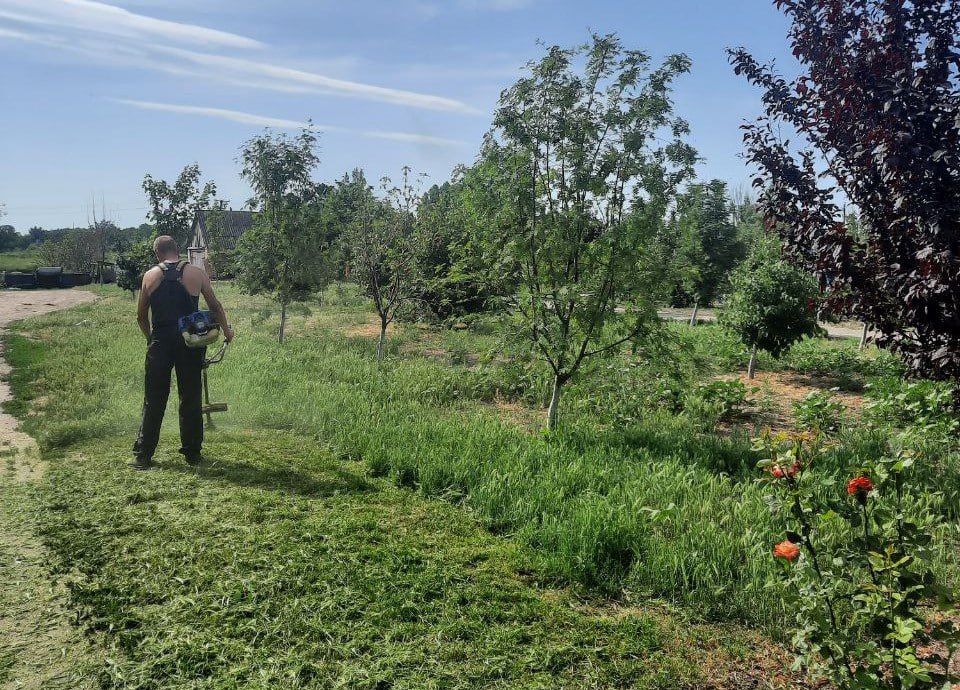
(171, 299)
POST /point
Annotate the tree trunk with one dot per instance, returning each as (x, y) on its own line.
(696, 308)
(863, 336)
(383, 337)
(552, 413)
(752, 366)
(283, 322)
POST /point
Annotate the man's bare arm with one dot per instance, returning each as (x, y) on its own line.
(216, 307)
(143, 309)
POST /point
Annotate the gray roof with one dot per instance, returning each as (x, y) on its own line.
(235, 223)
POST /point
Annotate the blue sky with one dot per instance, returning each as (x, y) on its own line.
(95, 95)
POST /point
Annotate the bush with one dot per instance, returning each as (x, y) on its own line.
(771, 304)
(131, 265)
(858, 571)
(819, 411)
(815, 357)
(717, 401)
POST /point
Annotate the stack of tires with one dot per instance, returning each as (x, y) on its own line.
(16, 279)
(46, 277)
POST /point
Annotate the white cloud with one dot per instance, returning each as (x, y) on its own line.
(89, 16)
(281, 123)
(267, 75)
(109, 35)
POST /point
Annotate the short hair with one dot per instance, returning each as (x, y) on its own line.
(165, 245)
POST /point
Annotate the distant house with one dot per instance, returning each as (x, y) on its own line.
(207, 238)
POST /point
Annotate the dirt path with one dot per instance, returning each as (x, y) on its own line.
(846, 330)
(39, 648)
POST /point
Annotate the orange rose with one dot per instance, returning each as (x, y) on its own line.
(779, 472)
(786, 550)
(859, 487)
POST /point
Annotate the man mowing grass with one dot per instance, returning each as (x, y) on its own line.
(171, 290)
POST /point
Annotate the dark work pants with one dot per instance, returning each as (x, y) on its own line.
(166, 352)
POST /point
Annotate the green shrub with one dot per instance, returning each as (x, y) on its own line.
(719, 400)
(820, 411)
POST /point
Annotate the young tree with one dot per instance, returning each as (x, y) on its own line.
(132, 263)
(771, 304)
(590, 154)
(75, 250)
(708, 244)
(281, 255)
(173, 207)
(877, 106)
(380, 237)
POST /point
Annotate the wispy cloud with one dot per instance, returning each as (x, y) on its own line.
(89, 16)
(105, 34)
(282, 123)
(267, 75)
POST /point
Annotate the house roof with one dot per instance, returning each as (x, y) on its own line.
(235, 223)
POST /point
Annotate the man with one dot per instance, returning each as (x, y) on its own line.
(170, 290)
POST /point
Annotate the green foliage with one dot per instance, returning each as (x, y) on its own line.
(584, 183)
(841, 360)
(173, 206)
(453, 276)
(771, 304)
(22, 260)
(708, 245)
(283, 254)
(75, 251)
(380, 234)
(132, 264)
(819, 411)
(719, 400)
(859, 573)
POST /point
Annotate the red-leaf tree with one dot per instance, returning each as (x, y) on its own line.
(877, 108)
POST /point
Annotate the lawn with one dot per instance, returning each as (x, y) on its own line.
(408, 525)
(20, 260)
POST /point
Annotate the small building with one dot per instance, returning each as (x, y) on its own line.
(206, 233)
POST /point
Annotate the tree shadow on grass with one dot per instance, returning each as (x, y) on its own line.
(283, 480)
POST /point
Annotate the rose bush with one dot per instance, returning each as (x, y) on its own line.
(857, 569)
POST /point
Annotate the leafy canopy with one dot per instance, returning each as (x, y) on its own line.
(771, 304)
(877, 104)
(587, 154)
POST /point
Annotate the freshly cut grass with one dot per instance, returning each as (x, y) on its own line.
(279, 565)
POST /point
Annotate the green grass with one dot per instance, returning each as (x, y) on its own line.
(20, 260)
(304, 538)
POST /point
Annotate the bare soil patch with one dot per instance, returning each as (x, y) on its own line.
(772, 395)
(39, 648)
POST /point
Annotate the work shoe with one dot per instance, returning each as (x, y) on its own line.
(194, 460)
(141, 464)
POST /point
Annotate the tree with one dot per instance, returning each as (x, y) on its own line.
(771, 304)
(75, 250)
(9, 238)
(708, 245)
(380, 237)
(453, 277)
(173, 207)
(589, 155)
(281, 255)
(136, 260)
(877, 108)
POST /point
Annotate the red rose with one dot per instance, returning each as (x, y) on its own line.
(779, 472)
(786, 550)
(859, 487)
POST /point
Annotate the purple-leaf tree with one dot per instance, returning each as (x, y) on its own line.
(877, 109)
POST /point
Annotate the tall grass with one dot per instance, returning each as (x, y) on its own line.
(651, 504)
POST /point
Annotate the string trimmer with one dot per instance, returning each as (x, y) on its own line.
(200, 329)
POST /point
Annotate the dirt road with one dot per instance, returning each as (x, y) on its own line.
(844, 330)
(20, 304)
(39, 648)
